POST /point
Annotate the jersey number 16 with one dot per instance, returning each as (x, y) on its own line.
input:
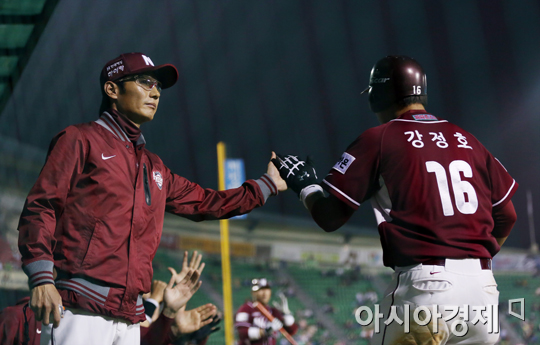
(459, 187)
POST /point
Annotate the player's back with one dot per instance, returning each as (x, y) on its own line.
(442, 185)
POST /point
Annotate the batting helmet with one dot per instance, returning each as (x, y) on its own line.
(394, 78)
(260, 283)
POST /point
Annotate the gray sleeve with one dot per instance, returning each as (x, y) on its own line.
(267, 185)
(39, 273)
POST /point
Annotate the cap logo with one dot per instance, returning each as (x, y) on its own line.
(115, 68)
(147, 60)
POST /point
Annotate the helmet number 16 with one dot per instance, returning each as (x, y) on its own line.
(464, 193)
(417, 89)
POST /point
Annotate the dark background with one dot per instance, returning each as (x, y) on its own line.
(286, 75)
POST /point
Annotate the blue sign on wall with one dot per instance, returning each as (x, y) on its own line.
(235, 175)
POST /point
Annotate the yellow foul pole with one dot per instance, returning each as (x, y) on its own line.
(225, 256)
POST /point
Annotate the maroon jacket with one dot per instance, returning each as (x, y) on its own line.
(18, 325)
(96, 215)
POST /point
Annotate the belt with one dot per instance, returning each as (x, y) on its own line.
(484, 263)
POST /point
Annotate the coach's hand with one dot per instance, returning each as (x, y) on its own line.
(273, 172)
(298, 174)
(44, 300)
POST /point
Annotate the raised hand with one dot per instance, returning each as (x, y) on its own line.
(284, 305)
(189, 321)
(158, 288)
(177, 295)
(194, 264)
(274, 174)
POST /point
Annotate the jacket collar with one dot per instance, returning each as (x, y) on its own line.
(418, 115)
(107, 121)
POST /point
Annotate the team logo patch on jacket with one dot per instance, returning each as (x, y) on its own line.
(158, 178)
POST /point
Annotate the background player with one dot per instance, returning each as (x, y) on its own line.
(254, 328)
(441, 201)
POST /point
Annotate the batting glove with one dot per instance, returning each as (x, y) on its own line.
(274, 326)
(297, 174)
(284, 305)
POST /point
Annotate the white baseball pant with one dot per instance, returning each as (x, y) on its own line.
(83, 327)
(460, 287)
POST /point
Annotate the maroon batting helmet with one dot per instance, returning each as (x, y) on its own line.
(394, 78)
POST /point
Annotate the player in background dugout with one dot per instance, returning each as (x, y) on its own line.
(253, 327)
(440, 198)
(96, 211)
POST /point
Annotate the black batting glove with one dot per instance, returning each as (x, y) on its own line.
(208, 329)
(297, 174)
(202, 333)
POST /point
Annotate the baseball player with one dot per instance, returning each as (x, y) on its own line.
(253, 327)
(96, 212)
(442, 205)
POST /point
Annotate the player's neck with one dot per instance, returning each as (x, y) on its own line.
(415, 106)
(394, 112)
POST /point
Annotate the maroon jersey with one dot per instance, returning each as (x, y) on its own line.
(433, 187)
(249, 321)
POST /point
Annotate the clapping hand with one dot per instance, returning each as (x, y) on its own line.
(178, 292)
(189, 321)
(194, 264)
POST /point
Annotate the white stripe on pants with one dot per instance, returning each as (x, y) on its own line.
(85, 328)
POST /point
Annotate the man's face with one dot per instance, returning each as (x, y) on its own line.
(137, 101)
(262, 296)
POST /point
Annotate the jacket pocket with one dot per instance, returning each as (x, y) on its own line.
(147, 195)
(91, 247)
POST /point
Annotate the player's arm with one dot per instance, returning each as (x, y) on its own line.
(37, 224)
(504, 219)
(351, 181)
(283, 313)
(503, 187)
(329, 212)
(247, 331)
(159, 332)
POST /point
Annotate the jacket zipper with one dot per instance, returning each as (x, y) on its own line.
(148, 197)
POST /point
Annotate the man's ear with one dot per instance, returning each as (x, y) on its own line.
(111, 89)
